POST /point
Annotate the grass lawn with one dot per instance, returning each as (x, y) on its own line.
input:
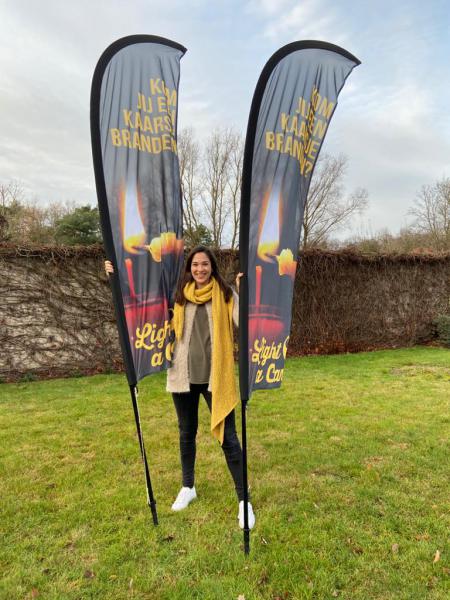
(349, 473)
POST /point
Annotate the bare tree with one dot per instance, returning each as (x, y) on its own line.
(432, 213)
(211, 184)
(11, 197)
(234, 185)
(28, 221)
(41, 221)
(10, 192)
(190, 178)
(326, 208)
(404, 242)
(217, 158)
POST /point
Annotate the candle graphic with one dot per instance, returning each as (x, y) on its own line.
(146, 314)
(132, 227)
(269, 229)
(286, 263)
(265, 318)
(258, 270)
(167, 244)
(129, 268)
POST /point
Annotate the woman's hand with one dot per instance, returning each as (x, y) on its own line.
(238, 278)
(109, 269)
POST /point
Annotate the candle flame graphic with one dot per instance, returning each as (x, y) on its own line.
(133, 232)
(269, 237)
(286, 263)
(166, 243)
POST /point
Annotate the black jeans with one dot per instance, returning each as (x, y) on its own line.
(186, 406)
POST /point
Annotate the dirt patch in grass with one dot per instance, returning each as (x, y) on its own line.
(437, 371)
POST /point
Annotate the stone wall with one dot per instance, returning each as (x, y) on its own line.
(56, 314)
(57, 318)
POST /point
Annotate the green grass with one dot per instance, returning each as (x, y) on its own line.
(349, 474)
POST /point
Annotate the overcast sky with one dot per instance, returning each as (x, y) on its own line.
(392, 121)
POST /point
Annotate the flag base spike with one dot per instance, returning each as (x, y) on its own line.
(150, 497)
(245, 477)
(247, 541)
(152, 506)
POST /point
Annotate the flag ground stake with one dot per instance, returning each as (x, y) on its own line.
(243, 380)
(245, 481)
(150, 498)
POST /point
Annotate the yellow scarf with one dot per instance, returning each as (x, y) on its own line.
(224, 397)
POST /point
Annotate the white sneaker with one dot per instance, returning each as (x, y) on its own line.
(251, 515)
(184, 498)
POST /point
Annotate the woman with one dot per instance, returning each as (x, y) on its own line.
(202, 364)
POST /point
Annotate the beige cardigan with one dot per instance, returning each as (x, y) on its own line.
(178, 373)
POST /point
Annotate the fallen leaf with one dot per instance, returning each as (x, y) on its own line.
(241, 597)
(335, 594)
(371, 460)
(34, 593)
(264, 541)
(74, 585)
(437, 557)
(70, 546)
(88, 574)
(355, 548)
(130, 585)
(394, 548)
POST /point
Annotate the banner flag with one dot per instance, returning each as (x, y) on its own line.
(294, 101)
(134, 108)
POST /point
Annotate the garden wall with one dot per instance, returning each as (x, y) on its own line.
(56, 314)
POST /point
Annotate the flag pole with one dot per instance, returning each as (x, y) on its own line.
(245, 478)
(131, 376)
(244, 234)
(150, 497)
(243, 386)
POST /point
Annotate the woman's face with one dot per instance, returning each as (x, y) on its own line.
(201, 269)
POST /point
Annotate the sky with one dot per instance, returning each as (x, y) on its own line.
(392, 120)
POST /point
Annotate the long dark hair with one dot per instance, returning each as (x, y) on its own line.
(186, 276)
